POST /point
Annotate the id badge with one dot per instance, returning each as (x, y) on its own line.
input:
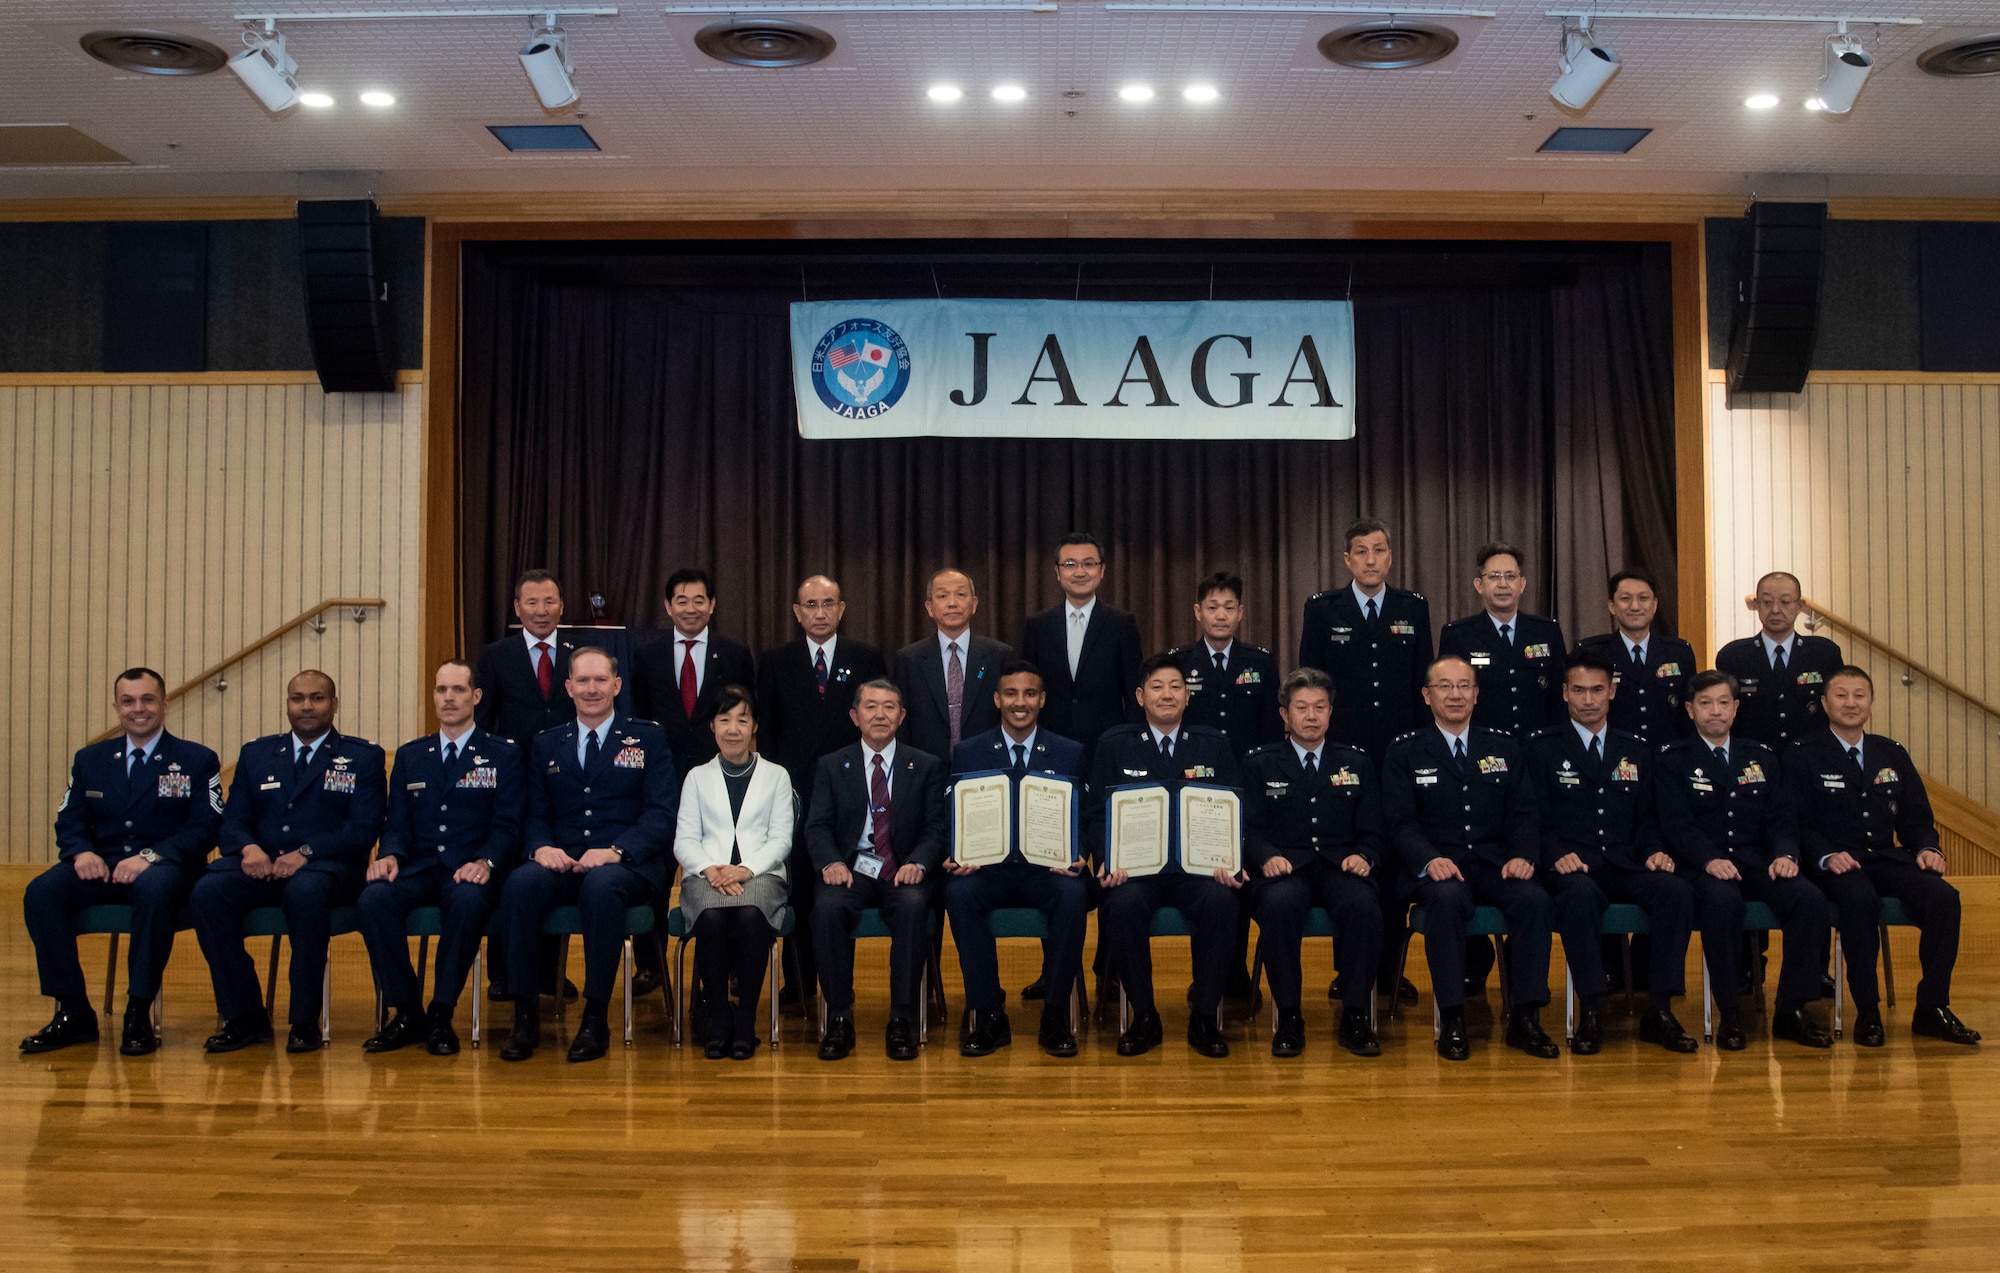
(869, 865)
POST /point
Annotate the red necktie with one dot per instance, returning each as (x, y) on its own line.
(545, 668)
(878, 803)
(687, 681)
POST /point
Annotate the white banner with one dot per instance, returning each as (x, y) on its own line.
(1199, 371)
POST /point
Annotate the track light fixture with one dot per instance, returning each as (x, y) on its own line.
(267, 70)
(1584, 68)
(1845, 69)
(546, 60)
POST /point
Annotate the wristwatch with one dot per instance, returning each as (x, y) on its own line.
(148, 856)
(489, 864)
(306, 851)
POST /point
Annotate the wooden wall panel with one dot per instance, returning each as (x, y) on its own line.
(1883, 496)
(174, 523)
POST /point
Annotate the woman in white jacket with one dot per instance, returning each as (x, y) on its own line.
(734, 836)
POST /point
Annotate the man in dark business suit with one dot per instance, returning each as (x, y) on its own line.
(468, 785)
(602, 802)
(134, 829)
(1088, 649)
(948, 678)
(805, 692)
(877, 835)
(1517, 657)
(1651, 669)
(1781, 673)
(303, 811)
(676, 678)
(1019, 746)
(522, 677)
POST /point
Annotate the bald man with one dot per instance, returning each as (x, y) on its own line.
(948, 678)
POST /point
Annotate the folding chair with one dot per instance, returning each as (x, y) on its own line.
(1757, 918)
(872, 924)
(678, 931)
(1026, 922)
(115, 921)
(1623, 922)
(1486, 921)
(1168, 921)
(1893, 915)
(269, 921)
(1318, 924)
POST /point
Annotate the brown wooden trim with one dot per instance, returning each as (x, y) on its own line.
(1693, 540)
(1719, 376)
(1845, 625)
(440, 613)
(36, 379)
(192, 208)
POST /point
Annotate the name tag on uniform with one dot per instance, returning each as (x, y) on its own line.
(269, 786)
(1884, 775)
(1338, 636)
(1702, 784)
(175, 787)
(1427, 780)
(480, 779)
(339, 782)
(1625, 772)
(92, 795)
(1539, 650)
(1569, 780)
(1832, 782)
(1345, 778)
(413, 786)
(630, 758)
(1482, 660)
(869, 865)
(1402, 628)
(1493, 764)
(1668, 669)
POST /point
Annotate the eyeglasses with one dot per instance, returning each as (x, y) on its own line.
(1462, 687)
(820, 605)
(1071, 563)
(1503, 576)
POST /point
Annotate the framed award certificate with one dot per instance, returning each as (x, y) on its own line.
(1137, 821)
(1211, 826)
(982, 816)
(1047, 817)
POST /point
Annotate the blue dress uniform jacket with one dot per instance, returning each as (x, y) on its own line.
(1878, 809)
(174, 809)
(1741, 811)
(1773, 711)
(1651, 700)
(1377, 669)
(629, 800)
(1336, 814)
(1520, 680)
(1241, 701)
(336, 805)
(1602, 811)
(1433, 810)
(1127, 756)
(442, 820)
(1052, 754)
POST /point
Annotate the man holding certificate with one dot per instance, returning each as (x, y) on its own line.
(1165, 804)
(1315, 839)
(1014, 843)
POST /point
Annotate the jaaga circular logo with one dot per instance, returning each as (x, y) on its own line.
(860, 368)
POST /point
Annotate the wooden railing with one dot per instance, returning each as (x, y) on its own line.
(213, 672)
(1816, 611)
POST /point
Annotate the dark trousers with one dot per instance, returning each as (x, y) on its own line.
(385, 908)
(800, 944)
(1350, 901)
(1126, 916)
(906, 909)
(55, 896)
(1930, 902)
(221, 900)
(601, 894)
(1801, 912)
(1448, 908)
(1395, 922)
(731, 943)
(1064, 903)
(1582, 897)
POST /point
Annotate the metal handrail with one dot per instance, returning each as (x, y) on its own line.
(1817, 611)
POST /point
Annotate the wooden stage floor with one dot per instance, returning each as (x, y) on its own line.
(1777, 1157)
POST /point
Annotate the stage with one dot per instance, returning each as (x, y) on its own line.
(1777, 1157)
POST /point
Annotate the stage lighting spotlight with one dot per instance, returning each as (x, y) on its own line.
(1584, 69)
(546, 60)
(376, 97)
(1846, 69)
(1010, 93)
(267, 70)
(944, 92)
(1761, 101)
(1200, 94)
(1136, 93)
(318, 101)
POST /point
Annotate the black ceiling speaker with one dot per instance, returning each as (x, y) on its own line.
(1776, 321)
(347, 296)
(1979, 55)
(1388, 46)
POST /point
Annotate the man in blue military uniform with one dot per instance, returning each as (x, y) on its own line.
(1168, 752)
(134, 828)
(1314, 817)
(1517, 657)
(1020, 746)
(1781, 672)
(304, 809)
(1866, 831)
(1650, 669)
(602, 804)
(1460, 811)
(1728, 819)
(456, 801)
(1600, 844)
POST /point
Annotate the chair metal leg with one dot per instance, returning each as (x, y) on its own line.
(1707, 1003)
(326, 999)
(1888, 969)
(1569, 1003)
(111, 976)
(1124, 1009)
(1437, 1020)
(159, 1010)
(562, 975)
(679, 1008)
(625, 980)
(771, 975)
(1839, 983)
(271, 980)
(423, 963)
(478, 987)
(806, 993)
(924, 1005)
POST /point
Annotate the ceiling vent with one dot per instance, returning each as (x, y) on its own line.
(764, 42)
(1979, 55)
(154, 52)
(1391, 46)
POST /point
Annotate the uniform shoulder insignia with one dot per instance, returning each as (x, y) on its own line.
(553, 728)
(1403, 738)
(358, 740)
(641, 720)
(1321, 595)
(1258, 649)
(1268, 749)
(1409, 592)
(1547, 731)
(1202, 731)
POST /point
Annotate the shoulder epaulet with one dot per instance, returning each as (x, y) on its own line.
(1258, 649)
(1266, 749)
(553, 728)
(1548, 731)
(641, 720)
(357, 740)
(1321, 595)
(1204, 731)
(1403, 738)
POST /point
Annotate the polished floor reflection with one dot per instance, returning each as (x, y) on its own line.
(655, 1159)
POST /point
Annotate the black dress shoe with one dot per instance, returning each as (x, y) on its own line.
(1290, 1037)
(715, 1049)
(1826, 987)
(1406, 991)
(1589, 1037)
(1055, 1036)
(65, 1029)
(838, 1040)
(303, 1038)
(568, 990)
(646, 981)
(138, 1038)
(1205, 1037)
(1940, 1023)
(1660, 1026)
(1524, 1034)
(403, 1029)
(440, 1039)
(990, 1032)
(1142, 1036)
(1795, 1025)
(592, 1040)
(1452, 1041)
(743, 1049)
(1729, 1034)
(900, 1039)
(1034, 990)
(1868, 1029)
(1356, 1035)
(239, 1034)
(525, 1037)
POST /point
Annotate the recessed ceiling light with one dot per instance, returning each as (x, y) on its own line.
(376, 97)
(945, 92)
(1200, 93)
(1814, 104)
(1010, 93)
(1137, 92)
(315, 99)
